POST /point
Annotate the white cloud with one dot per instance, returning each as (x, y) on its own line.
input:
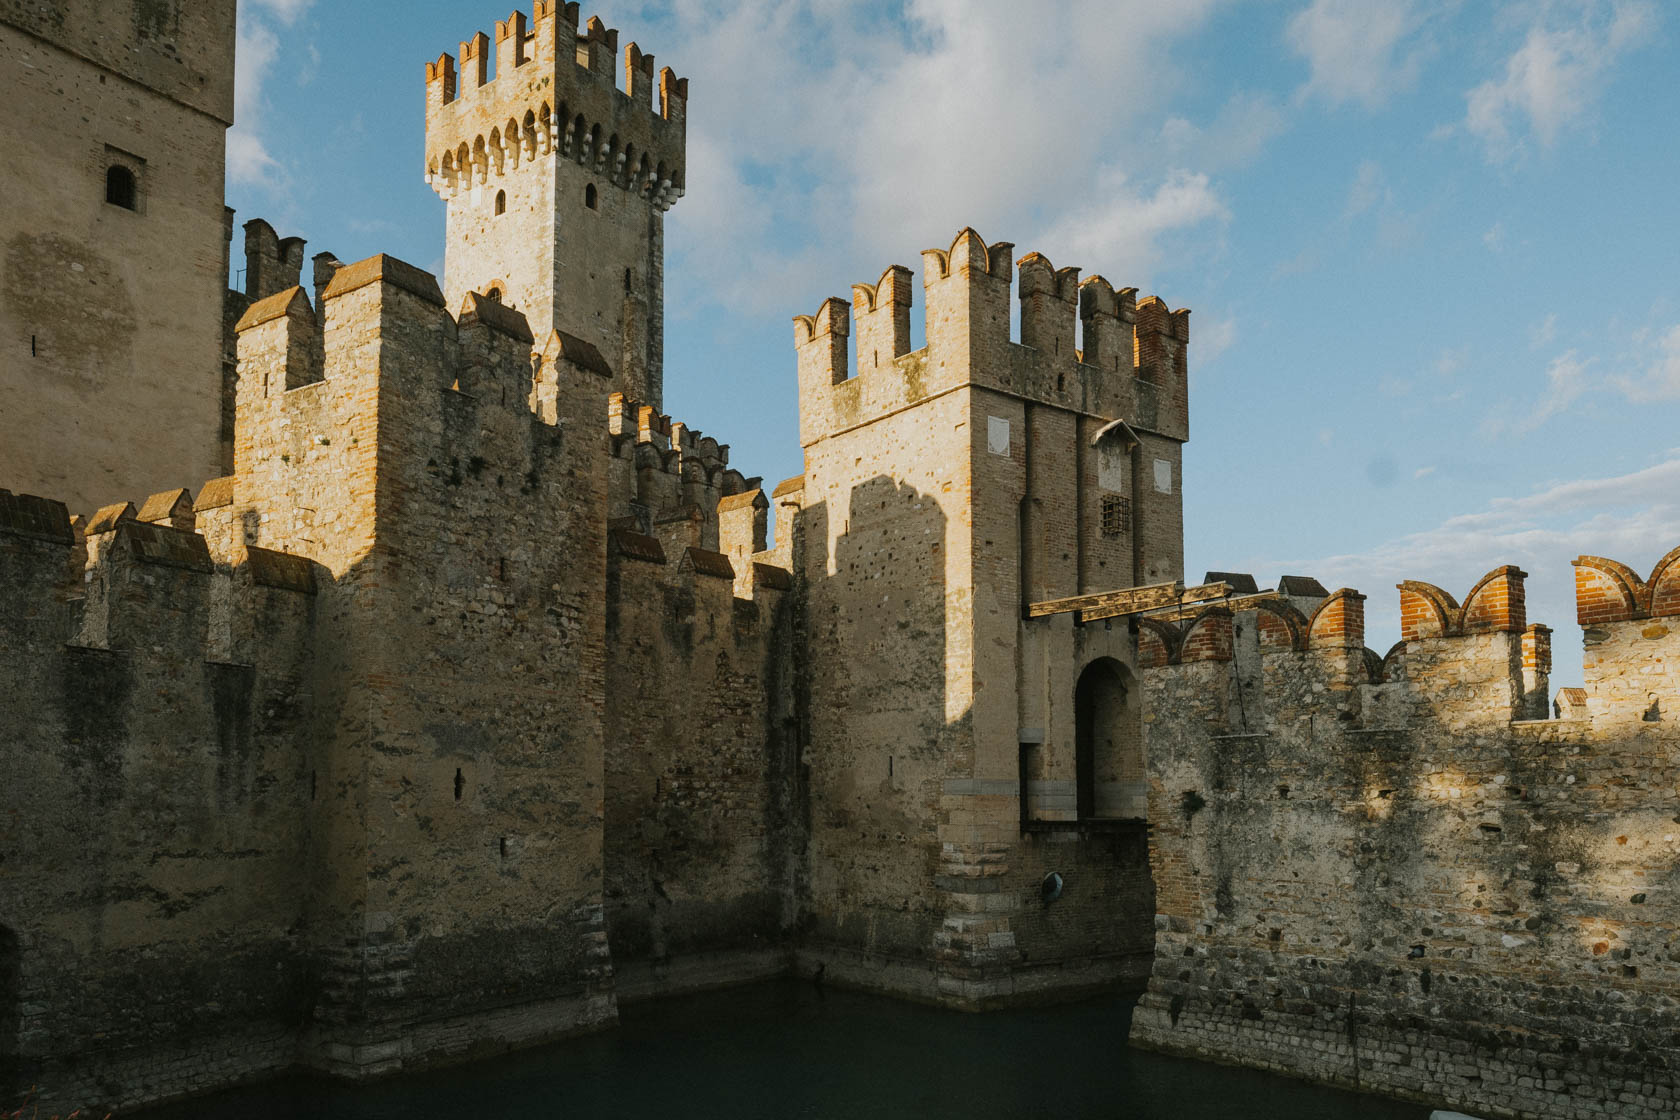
(1634, 518)
(286, 11)
(1211, 339)
(249, 160)
(1568, 377)
(1359, 50)
(1370, 187)
(1555, 76)
(1234, 138)
(883, 139)
(1657, 376)
(1126, 225)
(1649, 373)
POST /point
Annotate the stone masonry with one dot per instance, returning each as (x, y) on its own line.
(471, 695)
(1396, 873)
(111, 301)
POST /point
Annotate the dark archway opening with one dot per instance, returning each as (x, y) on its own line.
(122, 188)
(1108, 763)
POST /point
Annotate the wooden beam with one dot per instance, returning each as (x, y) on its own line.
(1130, 600)
(1207, 592)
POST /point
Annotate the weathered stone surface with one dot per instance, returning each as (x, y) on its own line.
(1382, 874)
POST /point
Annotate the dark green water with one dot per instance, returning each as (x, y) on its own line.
(789, 1049)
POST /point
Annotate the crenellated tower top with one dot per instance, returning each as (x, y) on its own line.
(557, 167)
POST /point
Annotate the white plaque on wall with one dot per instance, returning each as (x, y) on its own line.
(1163, 476)
(997, 435)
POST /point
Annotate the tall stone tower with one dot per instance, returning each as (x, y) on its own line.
(975, 748)
(557, 182)
(113, 245)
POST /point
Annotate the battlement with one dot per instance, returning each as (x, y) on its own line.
(665, 473)
(150, 584)
(668, 559)
(1481, 660)
(286, 343)
(555, 93)
(1631, 653)
(1132, 364)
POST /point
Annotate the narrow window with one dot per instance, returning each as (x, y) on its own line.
(504, 847)
(1116, 515)
(501, 202)
(11, 998)
(589, 196)
(121, 188)
(460, 783)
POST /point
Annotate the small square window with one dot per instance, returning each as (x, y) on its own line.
(1116, 515)
(125, 179)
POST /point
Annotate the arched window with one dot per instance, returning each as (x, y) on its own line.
(121, 187)
(494, 293)
(589, 197)
(501, 202)
(1109, 765)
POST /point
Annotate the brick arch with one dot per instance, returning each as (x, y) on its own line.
(1394, 663)
(1426, 611)
(1157, 643)
(1663, 588)
(1282, 627)
(1374, 665)
(1607, 591)
(1496, 603)
(1339, 620)
(1208, 637)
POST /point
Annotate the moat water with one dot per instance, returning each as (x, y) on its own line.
(788, 1049)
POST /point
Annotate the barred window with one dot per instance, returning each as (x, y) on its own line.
(1116, 515)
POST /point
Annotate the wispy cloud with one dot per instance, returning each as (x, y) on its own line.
(1554, 78)
(1370, 187)
(1568, 377)
(1647, 373)
(1235, 138)
(250, 161)
(1359, 50)
(1633, 517)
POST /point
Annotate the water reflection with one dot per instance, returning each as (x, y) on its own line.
(790, 1049)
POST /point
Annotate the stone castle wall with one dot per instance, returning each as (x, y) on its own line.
(158, 804)
(111, 314)
(1389, 873)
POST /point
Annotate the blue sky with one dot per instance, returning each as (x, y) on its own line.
(1429, 244)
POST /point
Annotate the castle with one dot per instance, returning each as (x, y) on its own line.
(469, 696)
